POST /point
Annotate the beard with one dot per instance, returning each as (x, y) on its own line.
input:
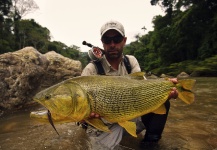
(113, 53)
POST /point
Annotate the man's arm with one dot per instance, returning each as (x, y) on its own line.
(134, 64)
(89, 70)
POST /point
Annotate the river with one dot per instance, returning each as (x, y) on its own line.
(189, 127)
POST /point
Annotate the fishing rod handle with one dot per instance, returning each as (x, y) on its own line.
(87, 44)
(95, 53)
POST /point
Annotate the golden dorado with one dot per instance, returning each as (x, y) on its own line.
(117, 99)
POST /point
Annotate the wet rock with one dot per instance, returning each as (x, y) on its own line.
(60, 68)
(25, 72)
(150, 75)
(183, 75)
(165, 76)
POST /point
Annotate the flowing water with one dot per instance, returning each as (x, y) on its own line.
(189, 127)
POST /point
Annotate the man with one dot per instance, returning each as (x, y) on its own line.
(113, 40)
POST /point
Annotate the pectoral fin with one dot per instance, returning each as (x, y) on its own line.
(160, 110)
(129, 126)
(98, 123)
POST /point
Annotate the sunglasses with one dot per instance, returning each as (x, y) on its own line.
(115, 39)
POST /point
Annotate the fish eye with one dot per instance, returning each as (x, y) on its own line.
(47, 97)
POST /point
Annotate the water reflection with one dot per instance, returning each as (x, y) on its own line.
(189, 127)
(18, 131)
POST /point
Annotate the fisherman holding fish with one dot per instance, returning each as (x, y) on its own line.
(113, 103)
(113, 63)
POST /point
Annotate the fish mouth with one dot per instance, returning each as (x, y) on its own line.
(43, 116)
(48, 113)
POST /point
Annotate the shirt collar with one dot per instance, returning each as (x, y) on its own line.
(107, 65)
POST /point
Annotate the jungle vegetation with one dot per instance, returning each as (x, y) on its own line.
(183, 40)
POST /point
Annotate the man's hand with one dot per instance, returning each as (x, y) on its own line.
(174, 92)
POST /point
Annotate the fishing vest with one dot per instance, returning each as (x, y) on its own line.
(101, 71)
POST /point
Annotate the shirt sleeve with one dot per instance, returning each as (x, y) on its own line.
(134, 64)
(89, 70)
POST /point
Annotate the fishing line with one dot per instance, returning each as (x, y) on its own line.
(51, 121)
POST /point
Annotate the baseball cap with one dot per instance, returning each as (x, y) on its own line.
(112, 25)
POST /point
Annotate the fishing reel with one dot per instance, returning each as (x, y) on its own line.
(95, 53)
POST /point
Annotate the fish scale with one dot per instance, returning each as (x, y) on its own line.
(124, 97)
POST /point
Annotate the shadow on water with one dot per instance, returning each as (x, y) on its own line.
(189, 127)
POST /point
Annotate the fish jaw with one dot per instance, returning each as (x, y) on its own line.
(42, 116)
(65, 101)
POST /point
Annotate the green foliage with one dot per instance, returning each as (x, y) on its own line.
(72, 52)
(56, 46)
(5, 6)
(206, 67)
(32, 34)
(5, 46)
(16, 33)
(7, 41)
(181, 40)
(185, 39)
(84, 58)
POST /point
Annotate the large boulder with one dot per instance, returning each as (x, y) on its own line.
(60, 68)
(25, 72)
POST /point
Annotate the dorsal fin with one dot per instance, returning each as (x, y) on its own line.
(136, 75)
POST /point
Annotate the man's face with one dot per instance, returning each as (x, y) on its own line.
(113, 43)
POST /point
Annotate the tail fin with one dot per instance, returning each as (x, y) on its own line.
(185, 90)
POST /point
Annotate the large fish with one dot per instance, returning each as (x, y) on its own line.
(117, 99)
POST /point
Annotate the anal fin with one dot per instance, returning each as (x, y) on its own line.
(98, 123)
(129, 126)
(160, 110)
